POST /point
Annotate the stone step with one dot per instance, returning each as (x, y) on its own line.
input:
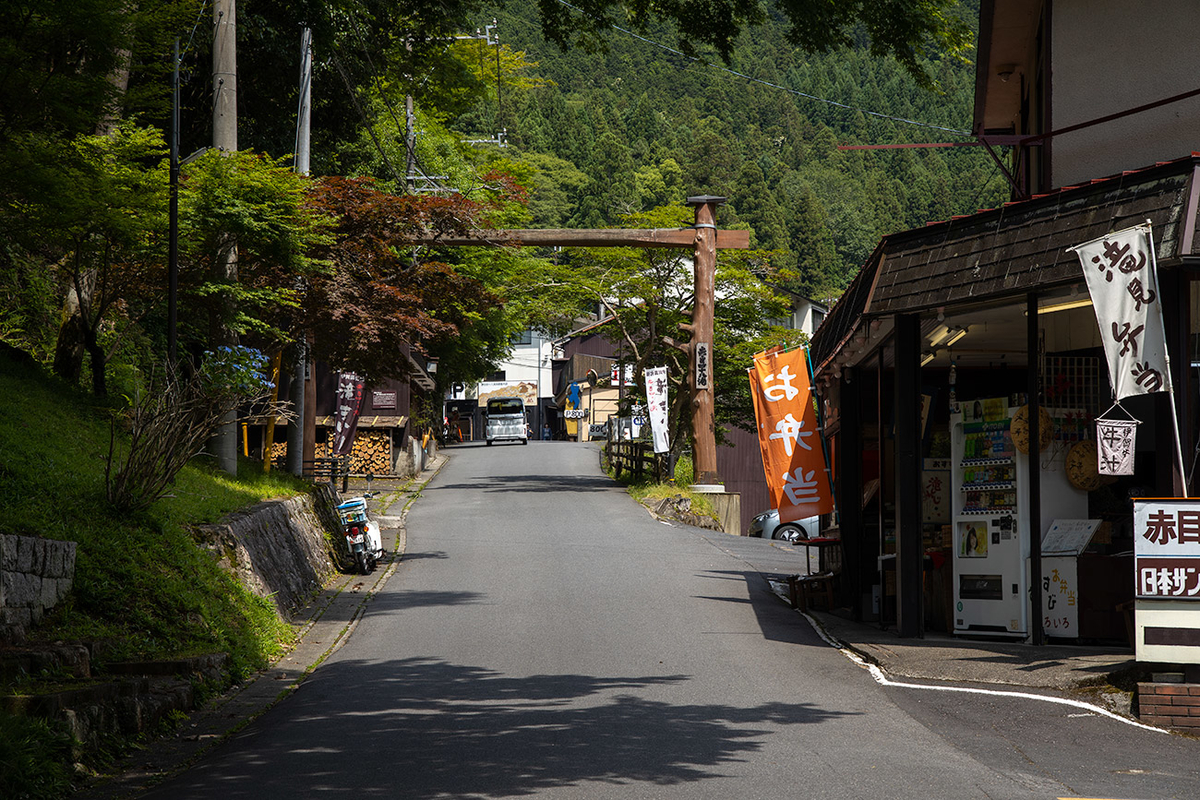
(54, 660)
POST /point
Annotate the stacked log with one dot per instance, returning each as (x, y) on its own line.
(372, 452)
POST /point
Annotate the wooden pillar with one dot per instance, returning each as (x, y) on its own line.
(704, 438)
(849, 489)
(1176, 324)
(910, 551)
(1037, 634)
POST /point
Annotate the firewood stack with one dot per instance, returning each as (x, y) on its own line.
(372, 452)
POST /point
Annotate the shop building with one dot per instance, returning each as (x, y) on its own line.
(953, 336)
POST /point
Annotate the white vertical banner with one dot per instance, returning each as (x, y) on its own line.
(1122, 281)
(656, 400)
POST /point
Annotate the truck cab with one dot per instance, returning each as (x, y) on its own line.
(505, 420)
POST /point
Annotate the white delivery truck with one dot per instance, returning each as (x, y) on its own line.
(505, 420)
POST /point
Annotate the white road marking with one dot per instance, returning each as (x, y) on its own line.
(883, 680)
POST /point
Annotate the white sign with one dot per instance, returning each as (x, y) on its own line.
(1060, 603)
(703, 366)
(1120, 272)
(656, 400)
(1166, 550)
(575, 413)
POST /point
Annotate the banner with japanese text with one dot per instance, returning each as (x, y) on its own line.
(656, 402)
(793, 457)
(1121, 279)
(345, 420)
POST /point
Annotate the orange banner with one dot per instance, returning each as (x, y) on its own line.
(793, 458)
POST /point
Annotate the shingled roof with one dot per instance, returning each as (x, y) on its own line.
(1017, 248)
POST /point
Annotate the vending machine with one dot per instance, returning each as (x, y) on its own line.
(991, 519)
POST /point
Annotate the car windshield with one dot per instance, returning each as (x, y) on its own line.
(507, 405)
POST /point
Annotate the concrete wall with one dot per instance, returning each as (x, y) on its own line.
(1112, 55)
(35, 574)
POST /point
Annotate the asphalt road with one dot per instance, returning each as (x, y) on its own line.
(544, 636)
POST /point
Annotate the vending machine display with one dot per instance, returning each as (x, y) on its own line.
(991, 521)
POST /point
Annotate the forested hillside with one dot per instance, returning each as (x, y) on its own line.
(642, 125)
(592, 139)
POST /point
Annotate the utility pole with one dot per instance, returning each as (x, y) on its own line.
(173, 227)
(225, 140)
(297, 391)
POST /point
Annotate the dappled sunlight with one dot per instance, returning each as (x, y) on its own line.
(437, 729)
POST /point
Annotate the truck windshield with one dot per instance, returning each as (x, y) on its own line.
(508, 405)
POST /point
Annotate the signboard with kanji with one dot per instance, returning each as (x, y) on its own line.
(1166, 557)
(1060, 581)
(793, 457)
(1167, 549)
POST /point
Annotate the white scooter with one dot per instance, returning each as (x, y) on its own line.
(363, 539)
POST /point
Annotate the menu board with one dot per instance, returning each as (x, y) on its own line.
(1068, 536)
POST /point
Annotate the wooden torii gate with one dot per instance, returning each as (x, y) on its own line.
(706, 239)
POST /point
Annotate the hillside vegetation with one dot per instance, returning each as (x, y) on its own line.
(141, 583)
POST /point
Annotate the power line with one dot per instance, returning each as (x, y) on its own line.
(795, 92)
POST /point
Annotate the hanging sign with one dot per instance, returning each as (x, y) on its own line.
(656, 402)
(1120, 272)
(793, 458)
(349, 402)
(1116, 441)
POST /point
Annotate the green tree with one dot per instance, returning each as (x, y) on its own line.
(906, 31)
(263, 204)
(99, 222)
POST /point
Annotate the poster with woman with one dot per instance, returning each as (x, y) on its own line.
(973, 540)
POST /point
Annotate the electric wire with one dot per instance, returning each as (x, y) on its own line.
(795, 92)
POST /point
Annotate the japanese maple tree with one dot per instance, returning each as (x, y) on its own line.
(379, 295)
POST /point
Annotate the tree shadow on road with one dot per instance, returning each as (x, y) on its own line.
(426, 728)
(533, 483)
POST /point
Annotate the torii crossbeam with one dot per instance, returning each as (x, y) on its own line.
(706, 240)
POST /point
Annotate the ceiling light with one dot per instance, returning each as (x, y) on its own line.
(939, 335)
(956, 335)
(1052, 307)
(927, 357)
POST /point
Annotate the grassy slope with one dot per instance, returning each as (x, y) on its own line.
(139, 580)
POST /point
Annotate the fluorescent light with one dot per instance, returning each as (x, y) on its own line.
(927, 357)
(959, 333)
(939, 335)
(1051, 308)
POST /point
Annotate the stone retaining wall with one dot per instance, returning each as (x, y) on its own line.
(34, 575)
(278, 549)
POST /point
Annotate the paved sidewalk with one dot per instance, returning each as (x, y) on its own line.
(324, 625)
(1056, 668)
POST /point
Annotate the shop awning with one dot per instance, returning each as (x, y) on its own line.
(370, 421)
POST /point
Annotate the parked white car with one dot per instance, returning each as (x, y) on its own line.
(767, 526)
